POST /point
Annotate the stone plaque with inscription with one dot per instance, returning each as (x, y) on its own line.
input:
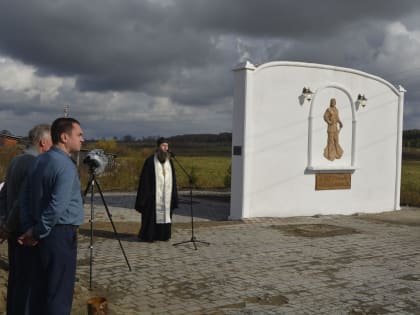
(327, 181)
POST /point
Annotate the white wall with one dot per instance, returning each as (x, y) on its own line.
(282, 148)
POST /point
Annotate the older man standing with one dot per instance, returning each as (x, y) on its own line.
(19, 258)
(52, 209)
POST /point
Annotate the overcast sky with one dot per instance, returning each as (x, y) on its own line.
(164, 67)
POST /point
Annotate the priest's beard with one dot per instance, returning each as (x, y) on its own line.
(162, 156)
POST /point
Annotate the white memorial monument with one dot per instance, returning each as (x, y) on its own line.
(314, 139)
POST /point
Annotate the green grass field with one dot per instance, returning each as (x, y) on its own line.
(209, 172)
(410, 183)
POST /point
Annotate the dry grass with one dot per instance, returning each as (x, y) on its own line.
(410, 183)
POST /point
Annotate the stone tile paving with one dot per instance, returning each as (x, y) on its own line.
(257, 267)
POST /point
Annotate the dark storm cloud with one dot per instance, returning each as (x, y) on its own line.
(290, 18)
(179, 53)
(106, 45)
(130, 45)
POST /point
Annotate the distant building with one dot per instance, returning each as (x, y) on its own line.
(9, 140)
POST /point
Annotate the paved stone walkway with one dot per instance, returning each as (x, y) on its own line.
(259, 266)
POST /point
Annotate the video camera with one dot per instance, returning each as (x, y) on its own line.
(96, 160)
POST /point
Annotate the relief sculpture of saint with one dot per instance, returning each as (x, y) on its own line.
(333, 149)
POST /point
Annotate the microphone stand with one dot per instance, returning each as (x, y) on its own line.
(190, 181)
(91, 185)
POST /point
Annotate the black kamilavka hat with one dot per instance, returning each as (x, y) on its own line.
(161, 140)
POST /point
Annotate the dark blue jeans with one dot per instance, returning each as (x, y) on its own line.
(53, 279)
(20, 273)
(11, 283)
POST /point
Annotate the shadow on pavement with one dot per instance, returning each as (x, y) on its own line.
(215, 208)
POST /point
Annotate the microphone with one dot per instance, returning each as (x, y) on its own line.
(171, 154)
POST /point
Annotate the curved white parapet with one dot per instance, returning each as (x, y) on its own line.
(281, 135)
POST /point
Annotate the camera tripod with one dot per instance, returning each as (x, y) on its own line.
(190, 181)
(91, 184)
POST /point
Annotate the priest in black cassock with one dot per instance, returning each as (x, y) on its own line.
(157, 195)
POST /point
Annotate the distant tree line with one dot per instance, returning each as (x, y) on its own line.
(221, 138)
(225, 137)
(411, 138)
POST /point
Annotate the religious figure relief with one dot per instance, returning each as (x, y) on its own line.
(333, 149)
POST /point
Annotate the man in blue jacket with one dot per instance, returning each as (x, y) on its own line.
(52, 209)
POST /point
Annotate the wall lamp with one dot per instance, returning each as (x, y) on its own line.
(362, 100)
(307, 94)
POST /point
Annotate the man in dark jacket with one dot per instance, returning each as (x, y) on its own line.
(20, 258)
(157, 195)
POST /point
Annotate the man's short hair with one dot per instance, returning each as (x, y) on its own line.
(39, 132)
(61, 125)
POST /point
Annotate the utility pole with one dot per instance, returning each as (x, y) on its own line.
(66, 110)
